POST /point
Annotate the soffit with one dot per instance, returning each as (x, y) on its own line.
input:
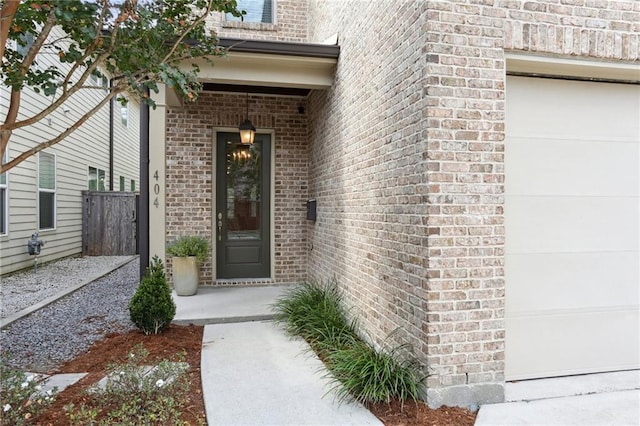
(268, 67)
(272, 64)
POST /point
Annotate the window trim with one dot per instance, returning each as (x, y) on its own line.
(53, 191)
(5, 185)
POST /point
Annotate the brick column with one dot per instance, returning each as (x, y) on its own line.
(465, 119)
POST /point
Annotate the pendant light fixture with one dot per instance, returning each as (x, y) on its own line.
(247, 130)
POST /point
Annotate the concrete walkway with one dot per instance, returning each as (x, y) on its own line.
(252, 372)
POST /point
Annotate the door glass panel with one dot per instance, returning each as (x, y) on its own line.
(244, 192)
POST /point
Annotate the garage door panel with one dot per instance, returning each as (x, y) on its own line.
(546, 345)
(572, 227)
(571, 167)
(551, 281)
(571, 224)
(563, 109)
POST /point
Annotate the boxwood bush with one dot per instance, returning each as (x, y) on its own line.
(152, 308)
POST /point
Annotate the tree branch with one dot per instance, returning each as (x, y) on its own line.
(200, 19)
(44, 145)
(16, 95)
(89, 51)
(37, 43)
(66, 94)
(9, 8)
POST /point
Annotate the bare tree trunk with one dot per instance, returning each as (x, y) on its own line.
(9, 8)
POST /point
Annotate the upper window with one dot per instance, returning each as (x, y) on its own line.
(122, 183)
(4, 198)
(96, 179)
(260, 11)
(46, 190)
(25, 43)
(124, 114)
(97, 79)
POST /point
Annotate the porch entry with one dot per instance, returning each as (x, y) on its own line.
(243, 216)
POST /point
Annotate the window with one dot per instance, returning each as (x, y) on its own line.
(97, 79)
(124, 111)
(4, 198)
(260, 11)
(24, 44)
(122, 183)
(133, 185)
(105, 84)
(46, 190)
(96, 179)
(94, 79)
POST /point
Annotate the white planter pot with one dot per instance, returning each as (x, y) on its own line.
(186, 275)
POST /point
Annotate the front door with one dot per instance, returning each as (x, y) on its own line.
(243, 191)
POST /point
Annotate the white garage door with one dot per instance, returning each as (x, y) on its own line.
(572, 186)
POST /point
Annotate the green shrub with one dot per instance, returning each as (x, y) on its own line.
(21, 396)
(314, 312)
(371, 376)
(152, 307)
(188, 246)
(357, 371)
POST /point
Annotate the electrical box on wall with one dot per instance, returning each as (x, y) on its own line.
(311, 210)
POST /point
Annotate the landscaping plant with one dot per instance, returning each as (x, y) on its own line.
(152, 308)
(314, 312)
(356, 369)
(188, 246)
(136, 395)
(21, 396)
(371, 376)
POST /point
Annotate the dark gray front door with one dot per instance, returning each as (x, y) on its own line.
(243, 192)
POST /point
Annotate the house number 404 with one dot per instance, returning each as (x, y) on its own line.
(156, 189)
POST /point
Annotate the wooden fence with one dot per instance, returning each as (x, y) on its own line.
(109, 223)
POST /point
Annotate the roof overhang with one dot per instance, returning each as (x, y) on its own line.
(269, 66)
(259, 69)
(273, 64)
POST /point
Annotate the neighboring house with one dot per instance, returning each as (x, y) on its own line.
(474, 164)
(43, 194)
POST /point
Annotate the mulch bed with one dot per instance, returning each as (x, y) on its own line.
(115, 348)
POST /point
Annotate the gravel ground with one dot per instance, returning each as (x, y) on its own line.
(19, 291)
(47, 338)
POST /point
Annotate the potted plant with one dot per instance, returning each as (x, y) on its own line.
(187, 253)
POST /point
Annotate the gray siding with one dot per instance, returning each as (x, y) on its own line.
(87, 146)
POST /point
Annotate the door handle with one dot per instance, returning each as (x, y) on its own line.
(219, 226)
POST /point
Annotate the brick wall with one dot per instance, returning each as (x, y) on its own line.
(290, 24)
(465, 92)
(407, 165)
(190, 178)
(367, 166)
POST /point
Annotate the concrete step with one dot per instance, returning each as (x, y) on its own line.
(216, 305)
